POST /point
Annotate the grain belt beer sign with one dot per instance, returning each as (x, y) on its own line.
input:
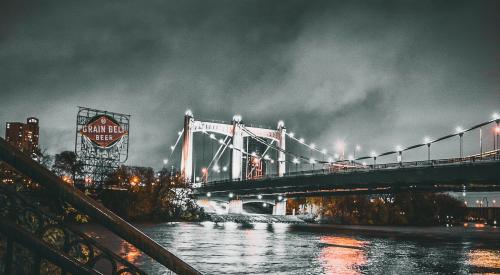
(103, 131)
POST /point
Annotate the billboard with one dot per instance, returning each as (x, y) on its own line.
(103, 131)
(101, 143)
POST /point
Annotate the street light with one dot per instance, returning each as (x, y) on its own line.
(399, 149)
(427, 140)
(374, 156)
(296, 161)
(341, 147)
(460, 133)
(312, 161)
(259, 197)
(356, 149)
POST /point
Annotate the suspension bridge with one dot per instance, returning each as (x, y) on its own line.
(259, 167)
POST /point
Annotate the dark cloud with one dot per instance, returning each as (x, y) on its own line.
(376, 73)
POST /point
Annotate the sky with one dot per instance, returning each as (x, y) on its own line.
(374, 73)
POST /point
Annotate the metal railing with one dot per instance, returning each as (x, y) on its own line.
(57, 188)
(487, 156)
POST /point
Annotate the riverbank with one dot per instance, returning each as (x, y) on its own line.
(436, 232)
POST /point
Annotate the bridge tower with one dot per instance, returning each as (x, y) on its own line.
(282, 147)
(187, 148)
(236, 154)
(237, 131)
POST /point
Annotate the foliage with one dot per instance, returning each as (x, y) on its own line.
(410, 208)
(66, 163)
(144, 197)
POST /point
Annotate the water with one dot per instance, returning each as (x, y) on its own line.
(230, 248)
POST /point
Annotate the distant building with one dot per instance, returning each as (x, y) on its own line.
(24, 135)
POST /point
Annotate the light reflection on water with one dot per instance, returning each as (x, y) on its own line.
(230, 248)
(342, 255)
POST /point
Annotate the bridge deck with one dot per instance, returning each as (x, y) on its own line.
(480, 175)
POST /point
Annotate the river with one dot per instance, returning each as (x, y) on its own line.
(262, 248)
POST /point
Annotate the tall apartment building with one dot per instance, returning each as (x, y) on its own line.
(23, 135)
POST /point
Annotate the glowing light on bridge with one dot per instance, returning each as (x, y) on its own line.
(215, 168)
(373, 154)
(323, 151)
(302, 140)
(209, 194)
(221, 141)
(237, 118)
(398, 148)
(280, 197)
(172, 148)
(312, 161)
(296, 161)
(224, 168)
(259, 197)
(212, 136)
(188, 112)
(281, 124)
(231, 195)
(291, 134)
(495, 116)
(264, 204)
(427, 140)
(165, 161)
(313, 146)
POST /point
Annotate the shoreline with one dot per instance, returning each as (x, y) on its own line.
(431, 232)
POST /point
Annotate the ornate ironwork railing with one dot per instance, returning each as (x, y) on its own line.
(33, 241)
(19, 214)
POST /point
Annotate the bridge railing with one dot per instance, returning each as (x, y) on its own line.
(486, 156)
(58, 190)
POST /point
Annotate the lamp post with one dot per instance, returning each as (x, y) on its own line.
(296, 161)
(427, 141)
(356, 149)
(481, 143)
(400, 155)
(374, 156)
(497, 132)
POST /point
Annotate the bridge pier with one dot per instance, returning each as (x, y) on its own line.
(279, 209)
(235, 207)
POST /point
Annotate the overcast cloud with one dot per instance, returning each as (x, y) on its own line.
(377, 73)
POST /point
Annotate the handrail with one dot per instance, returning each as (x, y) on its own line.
(26, 239)
(94, 209)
